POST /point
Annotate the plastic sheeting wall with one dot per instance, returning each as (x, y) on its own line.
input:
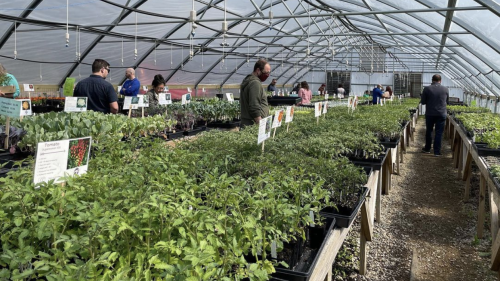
(362, 81)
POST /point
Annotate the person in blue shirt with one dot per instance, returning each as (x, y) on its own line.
(377, 94)
(272, 86)
(131, 87)
(7, 79)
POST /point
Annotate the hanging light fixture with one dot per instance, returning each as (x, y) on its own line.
(67, 23)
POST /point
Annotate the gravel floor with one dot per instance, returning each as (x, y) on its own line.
(425, 213)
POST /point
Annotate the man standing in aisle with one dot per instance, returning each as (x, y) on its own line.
(377, 94)
(100, 94)
(131, 87)
(253, 99)
(272, 86)
(435, 97)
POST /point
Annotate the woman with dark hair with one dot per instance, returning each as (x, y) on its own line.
(154, 94)
(305, 93)
(389, 89)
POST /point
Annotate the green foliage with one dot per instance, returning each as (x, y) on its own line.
(457, 109)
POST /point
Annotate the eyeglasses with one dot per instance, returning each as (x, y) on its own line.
(108, 69)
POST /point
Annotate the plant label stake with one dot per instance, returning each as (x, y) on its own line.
(130, 111)
(289, 116)
(317, 111)
(278, 117)
(142, 112)
(265, 125)
(311, 214)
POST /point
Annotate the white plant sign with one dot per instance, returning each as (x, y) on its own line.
(265, 125)
(278, 118)
(75, 104)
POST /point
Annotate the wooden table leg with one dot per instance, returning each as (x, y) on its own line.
(401, 149)
(460, 159)
(467, 183)
(378, 201)
(481, 210)
(397, 158)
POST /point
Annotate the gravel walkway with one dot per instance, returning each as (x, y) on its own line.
(424, 214)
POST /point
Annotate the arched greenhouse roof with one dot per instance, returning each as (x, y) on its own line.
(458, 38)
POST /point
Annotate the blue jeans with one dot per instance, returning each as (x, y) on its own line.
(430, 121)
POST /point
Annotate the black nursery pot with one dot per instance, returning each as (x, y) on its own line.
(176, 135)
(345, 215)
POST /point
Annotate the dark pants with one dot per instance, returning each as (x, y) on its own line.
(430, 121)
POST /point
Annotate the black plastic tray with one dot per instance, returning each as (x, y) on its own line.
(483, 150)
(375, 163)
(275, 101)
(345, 220)
(195, 131)
(225, 125)
(391, 144)
(176, 135)
(303, 270)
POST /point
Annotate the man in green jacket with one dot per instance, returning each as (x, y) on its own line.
(253, 99)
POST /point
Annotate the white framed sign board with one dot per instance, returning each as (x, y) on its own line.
(56, 159)
(289, 114)
(278, 118)
(186, 98)
(136, 102)
(165, 99)
(75, 104)
(265, 126)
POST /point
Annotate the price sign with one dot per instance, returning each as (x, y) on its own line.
(186, 98)
(29, 87)
(289, 114)
(229, 97)
(325, 107)
(318, 109)
(165, 99)
(15, 108)
(265, 125)
(75, 104)
(278, 118)
(57, 159)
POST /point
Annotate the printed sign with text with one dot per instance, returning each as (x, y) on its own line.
(75, 104)
(265, 125)
(278, 118)
(165, 99)
(29, 87)
(325, 107)
(136, 102)
(57, 159)
(229, 97)
(15, 108)
(186, 98)
(289, 114)
(318, 109)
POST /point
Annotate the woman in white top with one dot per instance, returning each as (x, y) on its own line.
(340, 91)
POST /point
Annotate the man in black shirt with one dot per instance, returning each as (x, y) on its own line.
(100, 94)
(435, 97)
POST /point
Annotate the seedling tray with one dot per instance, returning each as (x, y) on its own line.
(225, 125)
(176, 135)
(304, 269)
(391, 144)
(195, 131)
(483, 150)
(345, 216)
(375, 163)
(275, 101)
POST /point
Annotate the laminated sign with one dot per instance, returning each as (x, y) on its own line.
(136, 102)
(15, 108)
(186, 98)
(265, 125)
(165, 99)
(229, 97)
(326, 96)
(75, 104)
(325, 107)
(318, 109)
(289, 114)
(278, 118)
(57, 159)
(29, 87)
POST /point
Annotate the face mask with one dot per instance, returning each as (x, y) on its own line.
(263, 76)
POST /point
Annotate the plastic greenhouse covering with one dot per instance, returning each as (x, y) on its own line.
(43, 42)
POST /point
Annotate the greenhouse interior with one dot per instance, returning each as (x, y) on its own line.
(297, 140)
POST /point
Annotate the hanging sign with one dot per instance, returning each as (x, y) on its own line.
(289, 114)
(229, 97)
(186, 98)
(278, 118)
(69, 87)
(57, 159)
(165, 99)
(29, 87)
(265, 125)
(75, 104)
(15, 108)
(136, 102)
